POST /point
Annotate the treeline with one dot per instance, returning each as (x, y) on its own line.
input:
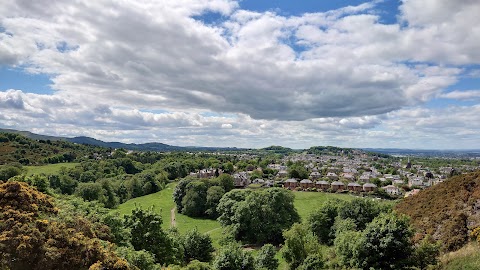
(16, 148)
(199, 197)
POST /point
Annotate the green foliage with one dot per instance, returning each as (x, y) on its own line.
(147, 233)
(197, 246)
(299, 244)
(214, 194)
(226, 181)
(297, 170)
(180, 192)
(197, 265)
(195, 200)
(7, 172)
(426, 253)
(261, 217)
(312, 262)
(233, 257)
(120, 234)
(142, 259)
(265, 258)
(228, 205)
(90, 191)
(347, 247)
(362, 211)
(386, 243)
(321, 221)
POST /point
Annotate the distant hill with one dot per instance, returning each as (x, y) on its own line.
(15, 147)
(152, 146)
(426, 152)
(447, 211)
(33, 136)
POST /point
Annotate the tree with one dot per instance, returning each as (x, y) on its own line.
(227, 207)
(233, 257)
(386, 243)
(426, 253)
(265, 258)
(197, 246)
(262, 216)
(147, 233)
(347, 247)
(226, 181)
(312, 262)
(109, 198)
(195, 200)
(7, 172)
(297, 170)
(214, 194)
(299, 244)
(90, 191)
(321, 221)
(179, 192)
(142, 259)
(362, 211)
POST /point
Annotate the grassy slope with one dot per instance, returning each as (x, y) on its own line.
(48, 169)
(305, 202)
(466, 258)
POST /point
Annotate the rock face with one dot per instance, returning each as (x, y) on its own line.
(448, 211)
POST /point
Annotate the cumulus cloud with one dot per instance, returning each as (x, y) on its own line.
(311, 76)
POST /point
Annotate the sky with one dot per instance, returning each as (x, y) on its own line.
(251, 73)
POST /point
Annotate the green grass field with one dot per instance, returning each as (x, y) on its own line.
(162, 201)
(48, 169)
(307, 202)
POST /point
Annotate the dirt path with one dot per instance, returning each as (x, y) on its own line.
(173, 222)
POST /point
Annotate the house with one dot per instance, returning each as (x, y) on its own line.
(315, 175)
(392, 190)
(323, 185)
(398, 182)
(368, 187)
(349, 176)
(305, 183)
(354, 186)
(415, 181)
(282, 173)
(332, 176)
(364, 178)
(337, 186)
(241, 180)
(290, 183)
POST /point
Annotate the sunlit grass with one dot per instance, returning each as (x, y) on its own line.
(48, 169)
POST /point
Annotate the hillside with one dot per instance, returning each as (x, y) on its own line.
(447, 211)
(16, 148)
(151, 146)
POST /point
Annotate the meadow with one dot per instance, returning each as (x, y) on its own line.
(305, 203)
(48, 169)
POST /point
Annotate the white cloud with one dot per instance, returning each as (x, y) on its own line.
(462, 95)
(340, 72)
